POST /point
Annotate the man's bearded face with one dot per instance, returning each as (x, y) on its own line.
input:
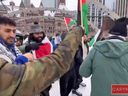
(38, 37)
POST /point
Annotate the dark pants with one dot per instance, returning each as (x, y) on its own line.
(46, 91)
(78, 79)
(67, 82)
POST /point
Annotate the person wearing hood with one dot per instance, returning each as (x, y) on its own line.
(107, 62)
(36, 38)
(39, 44)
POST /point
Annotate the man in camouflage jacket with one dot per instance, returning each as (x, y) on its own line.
(33, 77)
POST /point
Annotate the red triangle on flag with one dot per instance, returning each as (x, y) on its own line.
(67, 20)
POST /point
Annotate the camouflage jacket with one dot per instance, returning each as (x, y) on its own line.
(33, 77)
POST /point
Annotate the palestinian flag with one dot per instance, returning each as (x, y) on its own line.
(102, 32)
(69, 22)
(43, 50)
(85, 13)
(93, 41)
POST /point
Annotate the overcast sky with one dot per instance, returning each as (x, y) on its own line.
(70, 4)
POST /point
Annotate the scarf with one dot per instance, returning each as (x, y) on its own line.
(9, 53)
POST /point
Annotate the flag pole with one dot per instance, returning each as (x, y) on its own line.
(83, 46)
(81, 12)
(66, 25)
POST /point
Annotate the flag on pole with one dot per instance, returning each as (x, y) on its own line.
(84, 13)
(102, 32)
(69, 22)
(93, 41)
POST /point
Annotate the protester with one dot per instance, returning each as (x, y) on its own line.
(8, 49)
(107, 62)
(86, 45)
(33, 77)
(67, 81)
(35, 39)
(53, 43)
(72, 79)
(77, 62)
(19, 38)
(57, 39)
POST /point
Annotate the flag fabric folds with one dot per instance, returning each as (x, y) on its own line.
(69, 22)
(84, 13)
(43, 50)
(94, 39)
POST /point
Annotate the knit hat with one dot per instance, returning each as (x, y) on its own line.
(36, 28)
(18, 33)
(120, 27)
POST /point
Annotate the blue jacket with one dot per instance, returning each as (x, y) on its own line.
(54, 45)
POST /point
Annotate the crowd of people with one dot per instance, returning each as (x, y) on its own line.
(29, 65)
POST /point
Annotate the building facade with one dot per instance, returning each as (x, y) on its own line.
(50, 26)
(95, 15)
(98, 18)
(111, 4)
(122, 8)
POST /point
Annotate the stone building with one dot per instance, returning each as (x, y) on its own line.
(50, 26)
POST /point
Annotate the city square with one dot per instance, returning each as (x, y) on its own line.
(63, 47)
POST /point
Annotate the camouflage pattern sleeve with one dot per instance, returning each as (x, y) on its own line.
(32, 78)
(22, 49)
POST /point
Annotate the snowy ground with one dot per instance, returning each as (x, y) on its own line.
(84, 90)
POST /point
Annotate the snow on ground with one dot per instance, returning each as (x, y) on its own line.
(84, 90)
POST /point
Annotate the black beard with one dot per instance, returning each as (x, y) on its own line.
(85, 41)
(36, 40)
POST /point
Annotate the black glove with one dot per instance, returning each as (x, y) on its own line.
(34, 46)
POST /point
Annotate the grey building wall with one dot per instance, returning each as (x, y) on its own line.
(122, 8)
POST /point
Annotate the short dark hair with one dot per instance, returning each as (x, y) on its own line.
(7, 21)
(57, 34)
